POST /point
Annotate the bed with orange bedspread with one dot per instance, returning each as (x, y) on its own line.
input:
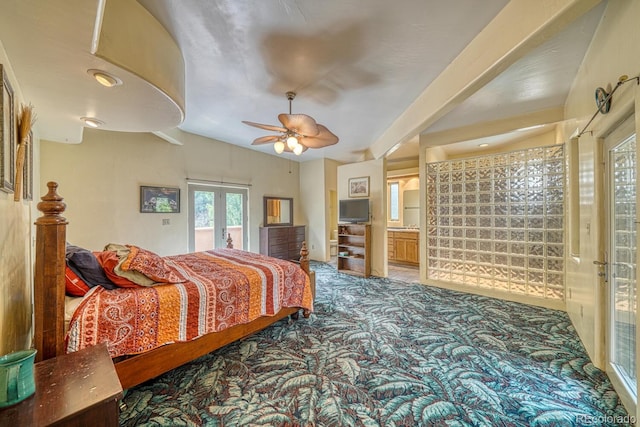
(186, 305)
(217, 289)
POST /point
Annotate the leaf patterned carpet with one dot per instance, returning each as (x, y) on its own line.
(378, 352)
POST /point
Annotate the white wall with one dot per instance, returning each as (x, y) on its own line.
(16, 251)
(377, 173)
(318, 178)
(331, 187)
(313, 200)
(613, 52)
(100, 180)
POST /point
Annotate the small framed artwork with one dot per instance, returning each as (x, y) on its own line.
(359, 187)
(7, 135)
(27, 170)
(159, 199)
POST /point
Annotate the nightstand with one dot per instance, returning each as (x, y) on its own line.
(76, 389)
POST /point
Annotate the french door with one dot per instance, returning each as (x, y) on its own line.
(216, 213)
(622, 222)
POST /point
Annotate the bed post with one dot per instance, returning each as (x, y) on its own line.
(304, 257)
(304, 264)
(49, 278)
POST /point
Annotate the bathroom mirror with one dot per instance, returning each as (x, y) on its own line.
(278, 211)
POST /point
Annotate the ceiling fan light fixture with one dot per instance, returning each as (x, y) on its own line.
(298, 132)
(292, 142)
(278, 147)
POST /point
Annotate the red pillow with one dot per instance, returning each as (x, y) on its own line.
(73, 284)
(109, 260)
(151, 265)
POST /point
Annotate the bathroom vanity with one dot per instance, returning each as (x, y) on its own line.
(403, 246)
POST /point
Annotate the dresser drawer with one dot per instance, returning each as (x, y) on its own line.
(297, 233)
(280, 254)
(282, 241)
(282, 247)
(278, 240)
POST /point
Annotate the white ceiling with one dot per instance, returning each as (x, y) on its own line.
(357, 66)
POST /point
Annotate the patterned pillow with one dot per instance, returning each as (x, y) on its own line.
(74, 285)
(108, 260)
(151, 265)
(122, 252)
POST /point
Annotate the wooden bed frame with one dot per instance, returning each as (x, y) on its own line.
(49, 292)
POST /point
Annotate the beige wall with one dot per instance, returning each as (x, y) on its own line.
(314, 204)
(16, 251)
(318, 181)
(100, 180)
(377, 173)
(613, 52)
(331, 183)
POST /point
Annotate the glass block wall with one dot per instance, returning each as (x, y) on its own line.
(497, 221)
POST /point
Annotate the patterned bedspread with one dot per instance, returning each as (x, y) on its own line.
(224, 287)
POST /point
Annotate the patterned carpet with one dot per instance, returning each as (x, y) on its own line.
(378, 352)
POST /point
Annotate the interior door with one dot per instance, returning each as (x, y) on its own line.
(215, 214)
(622, 275)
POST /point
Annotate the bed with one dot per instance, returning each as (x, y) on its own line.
(139, 359)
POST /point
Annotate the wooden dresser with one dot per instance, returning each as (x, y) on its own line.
(76, 389)
(282, 242)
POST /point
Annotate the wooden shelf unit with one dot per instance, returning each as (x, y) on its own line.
(355, 240)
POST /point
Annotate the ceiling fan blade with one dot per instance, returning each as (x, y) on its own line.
(265, 139)
(299, 123)
(265, 127)
(324, 138)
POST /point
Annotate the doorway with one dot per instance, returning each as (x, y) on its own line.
(217, 213)
(621, 265)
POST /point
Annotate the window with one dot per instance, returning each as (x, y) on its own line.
(394, 202)
(215, 213)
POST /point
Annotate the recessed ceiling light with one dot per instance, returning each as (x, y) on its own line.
(104, 78)
(92, 122)
(483, 145)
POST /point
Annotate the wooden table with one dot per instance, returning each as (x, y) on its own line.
(76, 389)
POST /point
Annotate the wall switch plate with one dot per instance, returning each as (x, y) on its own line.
(166, 221)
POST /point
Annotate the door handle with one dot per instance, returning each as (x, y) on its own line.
(602, 270)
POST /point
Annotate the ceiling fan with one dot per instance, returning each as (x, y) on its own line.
(298, 132)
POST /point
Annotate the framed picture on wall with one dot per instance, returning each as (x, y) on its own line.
(159, 199)
(359, 187)
(7, 135)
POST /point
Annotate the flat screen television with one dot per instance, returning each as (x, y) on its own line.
(354, 210)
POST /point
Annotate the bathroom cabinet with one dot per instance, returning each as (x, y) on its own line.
(403, 246)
